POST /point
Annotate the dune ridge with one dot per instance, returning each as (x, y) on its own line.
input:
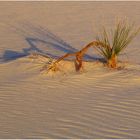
(96, 103)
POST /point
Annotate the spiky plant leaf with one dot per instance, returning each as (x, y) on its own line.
(122, 36)
(105, 48)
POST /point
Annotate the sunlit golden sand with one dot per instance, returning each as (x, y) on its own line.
(97, 102)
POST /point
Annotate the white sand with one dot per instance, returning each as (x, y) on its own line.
(98, 103)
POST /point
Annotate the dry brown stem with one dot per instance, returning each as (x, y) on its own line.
(79, 57)
(112, 62)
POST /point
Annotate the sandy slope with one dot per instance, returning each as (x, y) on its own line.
(98, 103)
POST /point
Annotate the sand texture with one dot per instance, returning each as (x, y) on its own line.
(96, 103)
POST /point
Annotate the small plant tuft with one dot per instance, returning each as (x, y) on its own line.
(122, 37)
(109, 48)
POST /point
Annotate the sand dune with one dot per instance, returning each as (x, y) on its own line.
(96, 103)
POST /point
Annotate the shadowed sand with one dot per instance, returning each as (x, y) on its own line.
(97, 103)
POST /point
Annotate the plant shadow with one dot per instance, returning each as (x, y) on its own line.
(41, 41)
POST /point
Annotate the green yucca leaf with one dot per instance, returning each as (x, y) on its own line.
(122, 36)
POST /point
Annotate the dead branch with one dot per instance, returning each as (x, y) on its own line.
(79, 57)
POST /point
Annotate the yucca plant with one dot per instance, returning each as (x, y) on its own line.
(108, 48)
(121, 38)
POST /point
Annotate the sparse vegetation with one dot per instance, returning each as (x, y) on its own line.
(121, 37)
(110, 49)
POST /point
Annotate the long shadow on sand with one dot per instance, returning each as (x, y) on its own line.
(41, 41)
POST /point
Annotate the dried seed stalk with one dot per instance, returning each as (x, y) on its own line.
(78, 57)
